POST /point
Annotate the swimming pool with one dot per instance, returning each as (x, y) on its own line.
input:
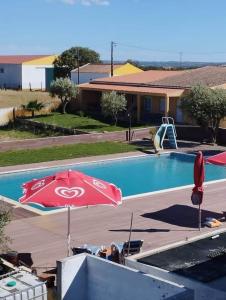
(135, 175)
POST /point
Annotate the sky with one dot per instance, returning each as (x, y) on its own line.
(145, 30)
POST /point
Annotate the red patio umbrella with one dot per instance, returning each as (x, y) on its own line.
(219, 159)
(199, 176)
(70, 189)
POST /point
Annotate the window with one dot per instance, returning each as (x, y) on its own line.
(1, 70)
(162, 105)
(147, 103)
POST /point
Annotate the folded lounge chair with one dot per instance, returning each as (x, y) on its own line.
(90, 249)
(128, 248)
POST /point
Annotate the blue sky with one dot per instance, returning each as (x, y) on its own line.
(143, 29)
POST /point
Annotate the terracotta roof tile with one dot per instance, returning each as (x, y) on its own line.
(18, 59)
(210, 76)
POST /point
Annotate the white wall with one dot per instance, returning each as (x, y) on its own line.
(86, 77)
(86, 277)
(201, 291)
(34, 75)
(11, 77)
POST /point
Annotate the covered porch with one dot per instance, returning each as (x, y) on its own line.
(143, 103)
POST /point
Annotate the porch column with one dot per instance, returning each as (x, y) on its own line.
(166, 106)
(80, 104)
(138, 107)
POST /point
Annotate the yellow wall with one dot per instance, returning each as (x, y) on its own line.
(47, 60)
(126, 69)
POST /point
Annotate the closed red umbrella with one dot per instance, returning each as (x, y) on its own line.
(199, 177)
(219, 159)
(70, 189)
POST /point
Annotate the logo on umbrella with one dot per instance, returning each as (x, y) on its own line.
(69, 192)
(38, 184)
(99, 184)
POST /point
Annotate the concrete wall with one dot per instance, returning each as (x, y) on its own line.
(88, 277)
(86, 77)
(11, 77)
(34, 75)
(201, 291)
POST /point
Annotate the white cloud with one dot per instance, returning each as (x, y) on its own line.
(86, 2)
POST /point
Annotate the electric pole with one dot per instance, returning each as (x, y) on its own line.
(180, 58)
(112, 57)
(78, 66)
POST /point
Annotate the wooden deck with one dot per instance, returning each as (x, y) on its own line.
(159, 219)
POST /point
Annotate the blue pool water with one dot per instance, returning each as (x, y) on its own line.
(133, 175)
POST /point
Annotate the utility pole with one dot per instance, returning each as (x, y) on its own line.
(180, 58)
(112, 57)
(78, 66)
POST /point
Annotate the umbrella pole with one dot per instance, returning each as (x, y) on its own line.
(68, 231)
(200, 217)
(130, 232)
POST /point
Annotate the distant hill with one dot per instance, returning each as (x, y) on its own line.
(171, 64)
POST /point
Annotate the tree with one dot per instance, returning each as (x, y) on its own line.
(206, 106)
(68, 60)
(33, 106)
(112, 104)
(5, 218)
(65, 89)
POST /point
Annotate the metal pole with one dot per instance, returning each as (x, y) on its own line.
(130, 232)
(68, 231)
(78, 79)
(200, 217)
(112, 58)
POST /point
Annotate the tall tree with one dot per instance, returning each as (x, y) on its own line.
(112, 104)
(65, 89)
(206, 106)
(69, 60)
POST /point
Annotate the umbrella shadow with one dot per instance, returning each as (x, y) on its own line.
(140, 230)
(181, 215)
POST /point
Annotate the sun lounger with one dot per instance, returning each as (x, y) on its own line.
(128, 248)
(90, 249)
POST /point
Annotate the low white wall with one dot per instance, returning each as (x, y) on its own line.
(201, 291)
(87, 277)
(86, 77)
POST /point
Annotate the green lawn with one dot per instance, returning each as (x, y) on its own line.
(62, 152)
(75, 121)
(8, 134)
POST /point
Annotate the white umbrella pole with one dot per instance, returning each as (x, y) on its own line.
(68, 231)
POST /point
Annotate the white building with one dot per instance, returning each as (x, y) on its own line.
(26, 71)
(90, 72)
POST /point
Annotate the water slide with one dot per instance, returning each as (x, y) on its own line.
(166, 131)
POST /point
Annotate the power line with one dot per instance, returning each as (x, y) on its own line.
(171, 51)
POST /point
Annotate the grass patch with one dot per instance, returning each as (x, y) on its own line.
(63, 152)
(11, 98)
(17, 134)
(75, 121)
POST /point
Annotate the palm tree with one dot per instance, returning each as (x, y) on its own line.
(33, 106)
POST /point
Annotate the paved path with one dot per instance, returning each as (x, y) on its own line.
(159, 219)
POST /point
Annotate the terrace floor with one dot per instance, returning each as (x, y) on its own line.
(159, 219)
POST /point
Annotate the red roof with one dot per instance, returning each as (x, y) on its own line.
(142, 77)
(18, 59)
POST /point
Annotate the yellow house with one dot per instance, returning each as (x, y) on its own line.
(90, 71)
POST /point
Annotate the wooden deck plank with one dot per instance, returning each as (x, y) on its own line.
(45, 236)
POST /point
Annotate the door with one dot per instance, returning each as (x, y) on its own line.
(179, 113)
